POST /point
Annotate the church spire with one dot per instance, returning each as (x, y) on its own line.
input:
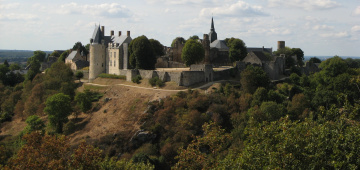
(212, 34)
(212, 24)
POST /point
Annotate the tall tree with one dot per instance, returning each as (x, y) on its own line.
(193, 52)
(58, 108)
(194, 37)
(157, 47)
(34, 68)
(180, 39)
(237, 49)
(142, 54)
(252, 78)
(78, 46)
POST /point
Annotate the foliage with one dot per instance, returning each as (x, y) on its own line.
(112, 76)
(34, 123)
(157, 47)
(142, 55)
(34, 68)
(136, 79)
(237, 49)
(180, 39)
(194, 37)
(63, 56)
(203, 152)
(192, 53)
(79, 75)
(252, 78)
(78, 46)
(58, 108)
(83, 100)
(14, 66)
(314, 60)
(289, 52)
(155, 81)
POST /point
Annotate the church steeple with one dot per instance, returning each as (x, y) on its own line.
(212, 34)
(212, 24)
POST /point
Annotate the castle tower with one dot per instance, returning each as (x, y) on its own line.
(206, 46)
(212, 34)
(281, 45)
(97, 53)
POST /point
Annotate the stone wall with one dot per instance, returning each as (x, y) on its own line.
(224, 74)
(148, 74)
(192, 77)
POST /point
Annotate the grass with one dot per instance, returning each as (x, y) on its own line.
(91, 87)
(112, 76)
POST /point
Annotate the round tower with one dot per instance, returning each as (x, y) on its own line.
(97, 59)
(281, 45)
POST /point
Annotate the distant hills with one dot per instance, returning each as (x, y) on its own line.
(322, 58)
(16, 55)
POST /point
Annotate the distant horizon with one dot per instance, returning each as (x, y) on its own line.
(305, 56)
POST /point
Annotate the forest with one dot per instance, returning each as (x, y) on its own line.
(305, 122)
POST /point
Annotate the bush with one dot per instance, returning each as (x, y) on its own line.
(112, 76)
(69, 127)
(136, 79)
(156, 81)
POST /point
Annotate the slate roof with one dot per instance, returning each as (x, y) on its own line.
(260, 55)
(97, 36)
(268, 50)
(72, 55)
(219, 44)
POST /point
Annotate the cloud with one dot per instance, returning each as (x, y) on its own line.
(176, 2)
(17, 17)
(107, 10)
(237, 9)
(323, 27)
(355, 28)
(336, 35)
(9, 6)
(305, 4)
(357, 11)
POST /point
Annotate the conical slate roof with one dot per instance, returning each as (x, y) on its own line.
(97, 36)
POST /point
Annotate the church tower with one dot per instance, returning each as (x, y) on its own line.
(212, 34)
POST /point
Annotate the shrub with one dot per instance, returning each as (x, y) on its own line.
(136, 79)
(112, 76)
(156, 81)
(69, 127)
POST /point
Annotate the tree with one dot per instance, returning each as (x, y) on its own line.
(6, 63)
(157, 47)
(237, 49)
(63, 56)
(55, 54)
(34, 68)
(180, 39)
(39, 55)
(193, 52)
(83, 100)
(79, 75)
(78, 46)
(252, 78)
(194, 37)
(142, 54)
(314, 60)
(14, 66)
(34, 123)
(58, 108)
(299, 55)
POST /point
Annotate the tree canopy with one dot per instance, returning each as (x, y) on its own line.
(142, 54)
(314, 60)
(289, 52)
(237, 49)
(252, 78)
(78, 46)
(193, 52)
(58, 108)
(180, 39)
(157, 47)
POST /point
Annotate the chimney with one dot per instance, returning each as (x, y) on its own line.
(263, 49)
(128, 33)
(112, 33)
(281, 45)
(119, 33)
(103, 30)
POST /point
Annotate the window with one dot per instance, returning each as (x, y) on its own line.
(114, 63)
(110, 63)
(115, 55)
(110, 54)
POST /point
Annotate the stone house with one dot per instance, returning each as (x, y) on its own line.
(76, 60)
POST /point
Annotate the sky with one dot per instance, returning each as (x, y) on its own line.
(318, 27)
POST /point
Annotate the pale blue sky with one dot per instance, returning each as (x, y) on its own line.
(319, 27)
